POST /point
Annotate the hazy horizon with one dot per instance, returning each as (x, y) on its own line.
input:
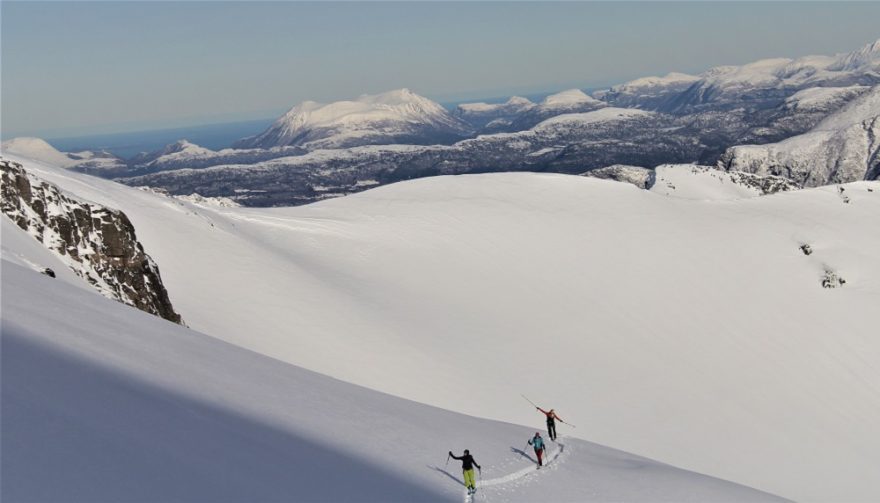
(83, 69)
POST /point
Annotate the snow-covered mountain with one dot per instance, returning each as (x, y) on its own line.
(181, 149)
(866, 58)
(565, 102)
(495, 117)
(650, 93)
(664, 320)
(399, 116)
(760, 84)
(519, 114)
(693, 119)
(843, 147)
(568, 143)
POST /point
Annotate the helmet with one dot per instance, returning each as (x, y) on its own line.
(467, 451)
(537, 433)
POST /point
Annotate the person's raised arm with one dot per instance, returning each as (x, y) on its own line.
(453, 456)
(542, 410)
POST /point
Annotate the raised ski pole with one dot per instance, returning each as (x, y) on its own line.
(527, 399)
(447, 462)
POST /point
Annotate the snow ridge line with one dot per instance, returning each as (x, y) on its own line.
(519, 473)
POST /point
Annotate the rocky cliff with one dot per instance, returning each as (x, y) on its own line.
(97, 243)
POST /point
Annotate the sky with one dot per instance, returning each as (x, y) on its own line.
(72, 68)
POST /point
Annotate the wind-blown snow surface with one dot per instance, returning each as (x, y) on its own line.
(692, 332)
(104, 403)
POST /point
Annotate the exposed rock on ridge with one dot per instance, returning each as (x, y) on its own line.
(98, 243)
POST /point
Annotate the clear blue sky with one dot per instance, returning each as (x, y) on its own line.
(83, 68)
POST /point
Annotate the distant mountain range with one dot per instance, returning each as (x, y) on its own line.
(812, 119)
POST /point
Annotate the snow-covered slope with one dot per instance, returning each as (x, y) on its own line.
(87, 161)
(399, 116)
(104, 403)
(864, 58)
(694, 332)
(823, 98)
(595, 118)
(36, 148)
(843, 147)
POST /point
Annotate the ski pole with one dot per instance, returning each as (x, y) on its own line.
(527, 399)
(447, 462)
(573, 426)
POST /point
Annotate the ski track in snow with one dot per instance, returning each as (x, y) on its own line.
(517, 475)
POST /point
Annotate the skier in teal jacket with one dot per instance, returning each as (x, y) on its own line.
(538, 443)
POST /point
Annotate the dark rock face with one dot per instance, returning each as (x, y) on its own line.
(97, 243)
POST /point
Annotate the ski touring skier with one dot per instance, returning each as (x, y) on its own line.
(551, 422)
(538, 443)
(467, 468)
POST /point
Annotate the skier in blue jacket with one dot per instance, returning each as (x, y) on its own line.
(538, 443)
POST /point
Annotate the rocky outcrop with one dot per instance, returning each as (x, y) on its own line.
(642, 178)
(97, 243)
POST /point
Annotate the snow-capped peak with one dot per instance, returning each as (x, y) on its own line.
(865, 58)
(568, 98)
(179, 148)
(181, 145)
(362, 121)
(513, 103)
(671, 78)
(519, 101)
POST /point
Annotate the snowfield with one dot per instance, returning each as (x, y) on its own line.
(105, 403)
(693, 331)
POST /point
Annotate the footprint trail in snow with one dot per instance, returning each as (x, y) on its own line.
(517, 475)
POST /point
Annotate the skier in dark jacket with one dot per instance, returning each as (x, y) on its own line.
(467, 467)
(551, 422)
(538, 443)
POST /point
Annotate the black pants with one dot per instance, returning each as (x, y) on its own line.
(551, 429)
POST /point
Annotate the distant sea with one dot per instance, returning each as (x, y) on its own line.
(126, 145)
